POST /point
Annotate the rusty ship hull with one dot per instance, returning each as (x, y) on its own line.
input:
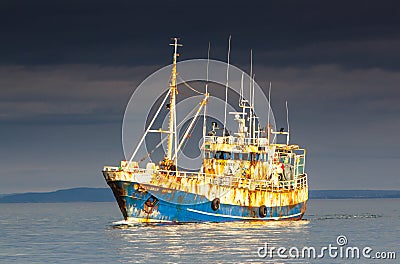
(171, 201)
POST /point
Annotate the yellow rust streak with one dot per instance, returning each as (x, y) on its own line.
(232, 195)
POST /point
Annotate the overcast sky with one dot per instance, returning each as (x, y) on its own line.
(68, 69)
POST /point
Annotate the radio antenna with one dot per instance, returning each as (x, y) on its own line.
(287, 121)
(269, 112)
(226, 87)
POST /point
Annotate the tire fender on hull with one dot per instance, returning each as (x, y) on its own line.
(215, 204)
(262, 211)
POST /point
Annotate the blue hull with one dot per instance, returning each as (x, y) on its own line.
(142, 203)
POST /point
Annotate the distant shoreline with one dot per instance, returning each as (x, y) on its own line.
(106, 195)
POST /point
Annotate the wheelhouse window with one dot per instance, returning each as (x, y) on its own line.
(253, 156)
(209, 154)
(222, 155)
(250, 156)
(264, 157)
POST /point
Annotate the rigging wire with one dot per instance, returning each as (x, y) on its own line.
(185, 143)
(148, 128)
(190, 87)
(164, 139)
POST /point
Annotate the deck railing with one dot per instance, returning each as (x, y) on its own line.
(220, 180)
(261, 142)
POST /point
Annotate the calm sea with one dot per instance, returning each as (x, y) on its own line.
(88, 233)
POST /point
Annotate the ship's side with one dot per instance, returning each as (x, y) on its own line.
(147, 203)
(243, 194)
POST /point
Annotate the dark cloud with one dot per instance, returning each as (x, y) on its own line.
(67, 94)
(135, 33)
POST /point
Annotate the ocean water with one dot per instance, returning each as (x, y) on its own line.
(90, 233)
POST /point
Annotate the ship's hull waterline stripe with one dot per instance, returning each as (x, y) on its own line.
(243, 217)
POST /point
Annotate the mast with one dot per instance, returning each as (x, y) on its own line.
(172, 100)
(205, 106)
(254, 117)
(250, 100)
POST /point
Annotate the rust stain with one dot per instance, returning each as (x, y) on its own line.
(236, 182)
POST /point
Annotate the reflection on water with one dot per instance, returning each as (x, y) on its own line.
(211, 241)
(343, 216)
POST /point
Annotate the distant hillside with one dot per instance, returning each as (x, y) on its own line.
(105, 195)
(62, 196)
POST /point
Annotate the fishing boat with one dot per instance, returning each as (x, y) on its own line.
(244, 176)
